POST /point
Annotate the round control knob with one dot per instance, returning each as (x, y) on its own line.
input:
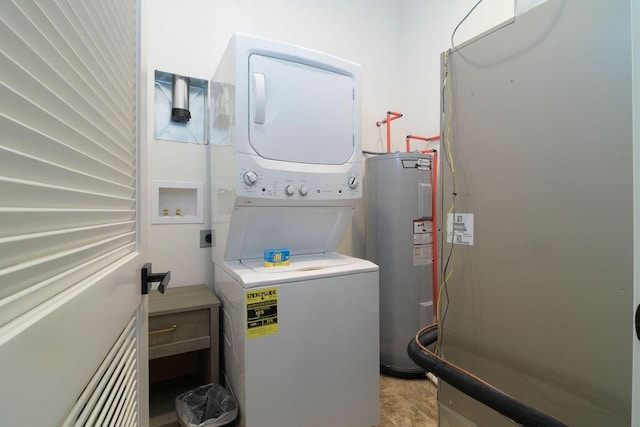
(289, 190)
(353, 182)
(304, 190)
(250, 178)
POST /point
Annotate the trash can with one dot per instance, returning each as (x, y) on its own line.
(206, 406)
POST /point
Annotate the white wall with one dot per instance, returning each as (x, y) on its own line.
(397, 43)
(428, 25)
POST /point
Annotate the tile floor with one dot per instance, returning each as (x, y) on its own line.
(403, 403)
(407, 403)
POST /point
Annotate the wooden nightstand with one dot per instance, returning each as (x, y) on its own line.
(183, 347)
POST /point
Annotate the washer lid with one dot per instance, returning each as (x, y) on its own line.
(252, 273)
(300, 113)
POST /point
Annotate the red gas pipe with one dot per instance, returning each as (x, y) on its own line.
(391, 116)
(421, 138)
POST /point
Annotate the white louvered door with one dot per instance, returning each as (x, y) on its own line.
(71, 313)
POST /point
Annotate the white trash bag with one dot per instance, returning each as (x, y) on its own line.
(206, 406)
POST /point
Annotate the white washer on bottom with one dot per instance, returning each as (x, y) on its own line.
(307, 354)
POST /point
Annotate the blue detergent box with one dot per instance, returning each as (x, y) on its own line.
(276, 257)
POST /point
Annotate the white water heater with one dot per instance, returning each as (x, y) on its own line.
(400, 240)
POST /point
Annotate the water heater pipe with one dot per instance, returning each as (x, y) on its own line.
(391, 115)
(421, 138)
(434, 228)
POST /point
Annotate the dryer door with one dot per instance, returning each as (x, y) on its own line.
(300, 113)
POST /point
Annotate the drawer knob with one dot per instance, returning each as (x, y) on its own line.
(164, 331)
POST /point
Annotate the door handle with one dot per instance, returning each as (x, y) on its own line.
(638, 322)
(259, 100)
(148, 278)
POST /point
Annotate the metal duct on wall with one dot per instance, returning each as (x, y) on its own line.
(180, 99)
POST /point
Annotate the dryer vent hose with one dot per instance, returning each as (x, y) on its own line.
(472, 386)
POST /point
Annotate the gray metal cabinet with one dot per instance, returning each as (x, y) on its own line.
(541, 137)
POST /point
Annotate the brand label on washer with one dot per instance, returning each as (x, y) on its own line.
(262, 312)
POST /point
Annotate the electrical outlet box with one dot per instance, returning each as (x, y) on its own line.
(205, 238)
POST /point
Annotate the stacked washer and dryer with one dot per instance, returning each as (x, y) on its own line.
(301, 341)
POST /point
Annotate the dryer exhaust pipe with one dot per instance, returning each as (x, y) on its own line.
(180, 99)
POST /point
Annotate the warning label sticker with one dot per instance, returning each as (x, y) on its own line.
(460, 229)
(422, 255)
(262, 312)
(422, 231)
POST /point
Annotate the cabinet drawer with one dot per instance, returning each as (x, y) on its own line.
(178, 333)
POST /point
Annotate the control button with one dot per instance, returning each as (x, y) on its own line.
(250, 178)
(289, 190)
(304, 190)
(353, 182)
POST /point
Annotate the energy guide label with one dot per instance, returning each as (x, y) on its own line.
(262, 312)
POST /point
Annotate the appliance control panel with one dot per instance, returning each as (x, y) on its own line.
(314, 183)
